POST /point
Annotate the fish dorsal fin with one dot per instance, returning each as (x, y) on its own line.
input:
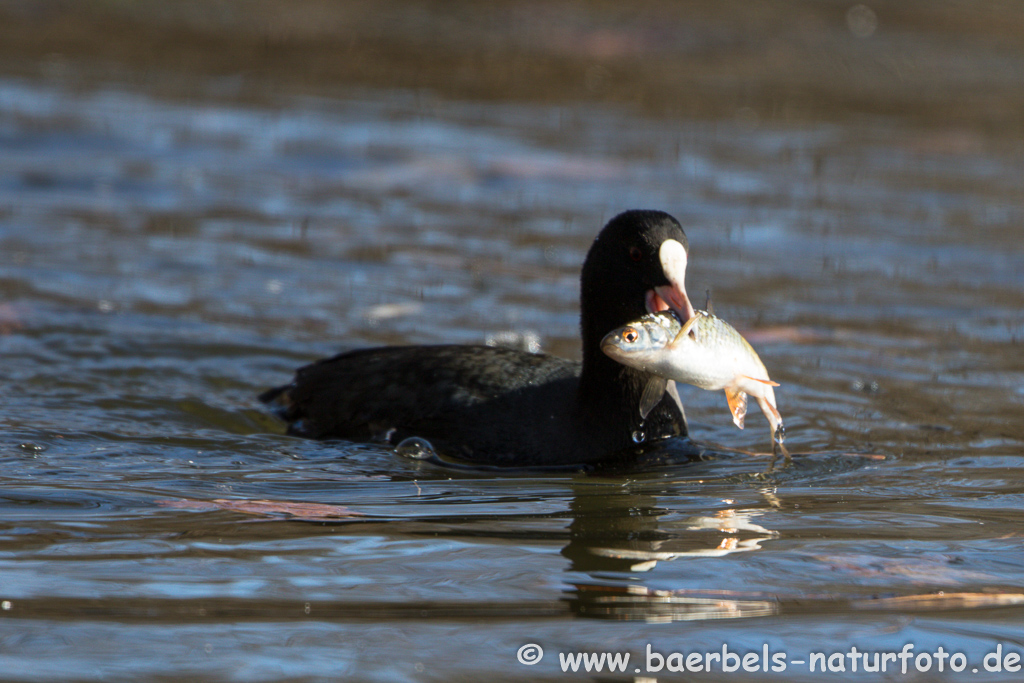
(737, 405)
(671, 390)
(707, 302)
(653, 392)
(762, 381)
(685, 329)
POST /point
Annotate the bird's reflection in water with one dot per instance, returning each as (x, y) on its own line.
(626, 533)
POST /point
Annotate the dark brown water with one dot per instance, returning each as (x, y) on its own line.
(195, 201)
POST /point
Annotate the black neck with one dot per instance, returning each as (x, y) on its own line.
(608, 404)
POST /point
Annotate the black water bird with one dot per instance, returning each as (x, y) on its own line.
(498, 406)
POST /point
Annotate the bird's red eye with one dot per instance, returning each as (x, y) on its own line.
(635, 253)
(629, 335)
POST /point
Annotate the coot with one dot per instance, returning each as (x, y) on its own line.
(498, 406)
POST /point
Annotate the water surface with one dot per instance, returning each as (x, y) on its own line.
(172, 242)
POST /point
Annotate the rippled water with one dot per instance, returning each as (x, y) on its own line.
(164, 259)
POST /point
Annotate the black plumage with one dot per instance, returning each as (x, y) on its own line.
(500, 406)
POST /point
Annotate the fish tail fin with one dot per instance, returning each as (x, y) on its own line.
(771, 412)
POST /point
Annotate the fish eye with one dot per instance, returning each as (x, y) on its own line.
(630, 335)
(635, 253)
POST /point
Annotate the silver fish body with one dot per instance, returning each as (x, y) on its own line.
(706, 352)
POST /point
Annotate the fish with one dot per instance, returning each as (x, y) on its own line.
(704, 351)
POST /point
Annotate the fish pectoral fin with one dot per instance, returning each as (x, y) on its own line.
(737, 405)
(762, 381)
(671, 390)
(683, 331)
(651, 395)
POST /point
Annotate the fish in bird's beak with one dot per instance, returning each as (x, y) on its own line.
(672, 296)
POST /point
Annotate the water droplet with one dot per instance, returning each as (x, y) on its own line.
(415, 448)
(639, 436)
(780, 434)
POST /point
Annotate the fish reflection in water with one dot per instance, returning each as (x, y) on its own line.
(729, 522)
(626, 533)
